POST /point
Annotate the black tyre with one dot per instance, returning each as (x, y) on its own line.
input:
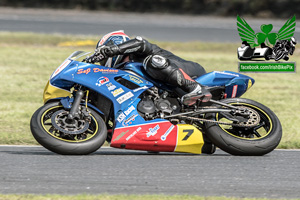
(208, 147)
(255, 141)
(279, 55)
(88, 138)
(268, 54)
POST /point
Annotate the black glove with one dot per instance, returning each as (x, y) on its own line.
(91, 59)
(107, 51)
(102, 53)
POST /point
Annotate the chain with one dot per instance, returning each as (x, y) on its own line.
(252, 121)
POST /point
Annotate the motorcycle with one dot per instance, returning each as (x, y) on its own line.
(87, 104)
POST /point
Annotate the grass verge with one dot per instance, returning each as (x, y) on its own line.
(27, 60)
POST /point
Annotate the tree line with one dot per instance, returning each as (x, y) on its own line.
(256, 8)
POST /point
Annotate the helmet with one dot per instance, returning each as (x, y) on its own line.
(293, 41)
(113, 38)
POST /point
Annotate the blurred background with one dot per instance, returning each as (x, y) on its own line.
(255, 8)
(160, 20)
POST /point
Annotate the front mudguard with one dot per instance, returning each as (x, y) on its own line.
(66, 102)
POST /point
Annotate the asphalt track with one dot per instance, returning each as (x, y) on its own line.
(158, 27)
(35, 170)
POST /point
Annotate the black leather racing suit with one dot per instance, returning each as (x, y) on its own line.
(160, 64)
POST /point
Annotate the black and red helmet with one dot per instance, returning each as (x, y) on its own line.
(113, 38)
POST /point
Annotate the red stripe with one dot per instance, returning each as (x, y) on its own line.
(185, 75)
(110, 34)
(234, 91)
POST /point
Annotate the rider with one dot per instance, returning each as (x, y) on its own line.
(160, 64)
(285, 46)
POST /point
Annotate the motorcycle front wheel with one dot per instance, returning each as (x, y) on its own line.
(257, 140)
(50, 128)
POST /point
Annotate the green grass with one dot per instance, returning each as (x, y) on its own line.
(27, 60)
(120, 197)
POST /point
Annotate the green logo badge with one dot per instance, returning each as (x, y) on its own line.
(266, 45)
(255, 39)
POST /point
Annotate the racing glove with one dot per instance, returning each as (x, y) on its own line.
(102, 53)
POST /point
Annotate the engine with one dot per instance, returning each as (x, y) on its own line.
(150, 107)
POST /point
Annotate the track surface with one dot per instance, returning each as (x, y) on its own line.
(114, 171)
(152, 26)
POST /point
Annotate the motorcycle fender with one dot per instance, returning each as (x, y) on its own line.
(189, 139)
(52, 92)
(67, 104)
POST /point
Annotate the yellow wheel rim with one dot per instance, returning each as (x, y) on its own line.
(261, 130)
(47, 127)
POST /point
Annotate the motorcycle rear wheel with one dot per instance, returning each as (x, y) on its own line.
(43, 130)
(255, 141)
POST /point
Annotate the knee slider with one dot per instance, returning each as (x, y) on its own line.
(159, 62)
(156, 62)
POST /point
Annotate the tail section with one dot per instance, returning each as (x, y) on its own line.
(235, 84)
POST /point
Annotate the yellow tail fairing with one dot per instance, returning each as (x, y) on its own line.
(189, 139)
(52, 92)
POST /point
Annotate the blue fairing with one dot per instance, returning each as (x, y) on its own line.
(236, 84)
(106, 81)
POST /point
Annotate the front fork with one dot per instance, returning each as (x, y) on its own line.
(76, 110)
(75, 106)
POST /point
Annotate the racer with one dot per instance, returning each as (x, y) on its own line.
(284, 48)
(160, 64)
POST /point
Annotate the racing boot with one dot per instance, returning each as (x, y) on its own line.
(197, 91)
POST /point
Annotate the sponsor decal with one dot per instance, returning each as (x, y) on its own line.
(129, 120)
(124, 97)
(164, 136)
(135, 79)
(84, 71)
(133, 134)
(102, 80)
(153, 131)
(122, 116)
(105, 70)
(234, 90)
(140, 88)
(120, 135)
(117, 92)
(129, 110)
(61, 67)
(110, 86)
(96, 70)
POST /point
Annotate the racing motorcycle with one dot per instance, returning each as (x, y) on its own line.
(87, 104)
